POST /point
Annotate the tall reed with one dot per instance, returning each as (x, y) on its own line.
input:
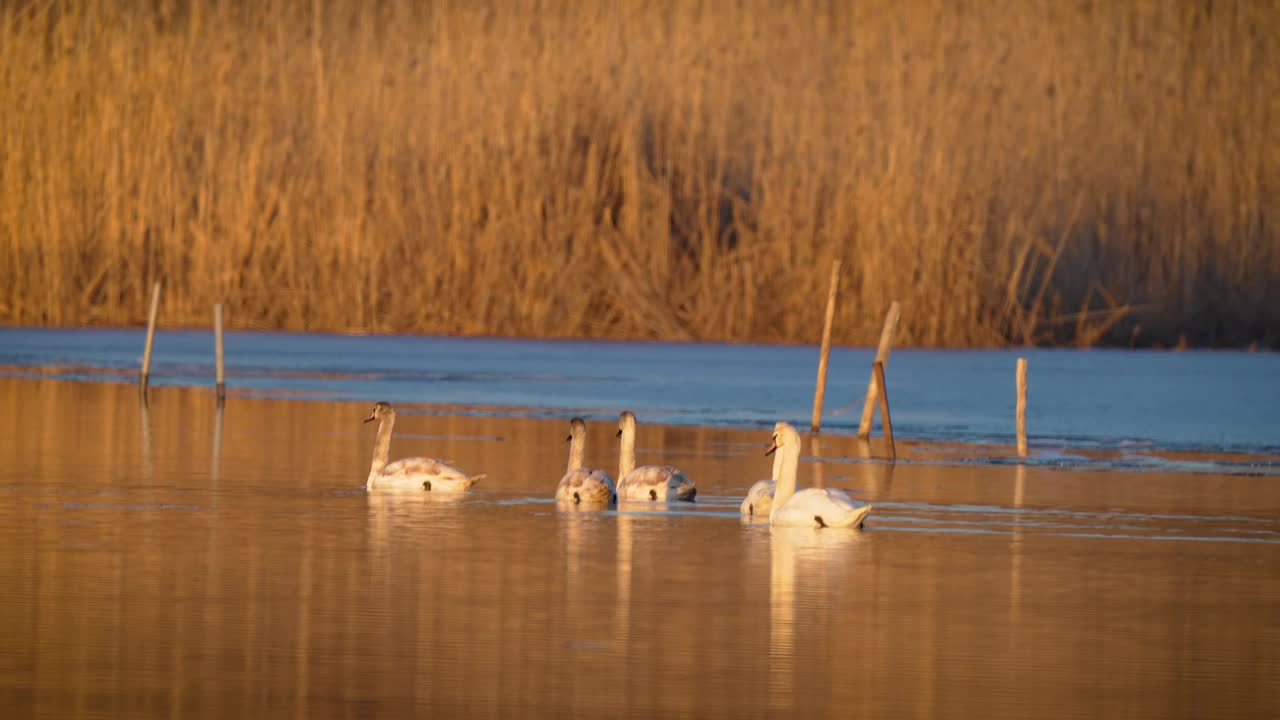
(1013, 172)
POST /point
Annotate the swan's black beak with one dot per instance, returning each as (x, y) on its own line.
(371, 418)
(569, 437)
(772, 446)
(619, 433)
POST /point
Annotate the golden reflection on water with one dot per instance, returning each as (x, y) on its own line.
(782, 619)
(1015, 549)
(179, 561)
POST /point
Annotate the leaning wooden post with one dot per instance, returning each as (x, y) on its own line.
(882, 356)
(217, 351)
(820, 390)
(1022, 406)
(151, 333)
(878, 373)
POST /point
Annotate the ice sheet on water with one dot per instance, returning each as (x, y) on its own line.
(1095, 399)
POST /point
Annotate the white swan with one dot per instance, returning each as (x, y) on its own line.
(580, 484)
(759, 499)
(813, 507)
(662, 483)
(414, 473)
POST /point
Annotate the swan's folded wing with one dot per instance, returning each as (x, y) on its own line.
(820, 507)
(582, 477)
(428, 467)
(759, 500)
(661, 476)
(589, 484)
(675, 478)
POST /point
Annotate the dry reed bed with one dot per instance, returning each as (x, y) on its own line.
(1013, 172)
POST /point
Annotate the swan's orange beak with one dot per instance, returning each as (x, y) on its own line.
(772, 446)
(371, 418)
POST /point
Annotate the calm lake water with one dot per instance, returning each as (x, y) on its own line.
(174, 560)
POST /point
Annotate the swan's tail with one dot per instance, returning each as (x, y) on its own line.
(858, 516)
(473, 479)
(686, 492)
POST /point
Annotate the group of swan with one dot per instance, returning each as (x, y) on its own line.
(777, 497)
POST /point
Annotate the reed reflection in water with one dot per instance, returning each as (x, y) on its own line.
(196, 564)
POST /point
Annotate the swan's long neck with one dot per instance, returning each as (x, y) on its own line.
(381, 447)
(777, 469)
(627, 450)
(784, 467)
(577, 449)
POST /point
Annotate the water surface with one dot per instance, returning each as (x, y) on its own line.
(170, 560)
(1127, 401)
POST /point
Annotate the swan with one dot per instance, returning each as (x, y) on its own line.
(759, 499)
(414, 473)
(581, 484)
(647, 482)
(812, 507)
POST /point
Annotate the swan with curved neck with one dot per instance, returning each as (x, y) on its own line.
(413, 473)
(811, 507)
(647, 483)
(759, 500)
(582, 485)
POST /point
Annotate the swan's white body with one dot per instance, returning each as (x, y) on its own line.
(581, 484)
(660, 483)
(586, 485)
(812, 507)
(647, 483)
(759, 500)
(414, 473)
(423, 474)
(819, 507)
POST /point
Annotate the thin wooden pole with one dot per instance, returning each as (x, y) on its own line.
(820, 390)
(878, 370)
(217, 350)
(882, 356)
(1022, 406)
(151, 334)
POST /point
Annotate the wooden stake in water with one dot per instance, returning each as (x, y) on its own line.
(217, 351)
(882, 356)
(151, 334)
(820, 390)
(1022, 406)
(877, 370)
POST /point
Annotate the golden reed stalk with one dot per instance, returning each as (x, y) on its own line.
(1083, 172)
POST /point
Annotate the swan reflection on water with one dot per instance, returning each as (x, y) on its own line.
(400, 514)
(803, 562)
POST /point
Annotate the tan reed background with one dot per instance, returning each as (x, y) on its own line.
(1012, 171)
